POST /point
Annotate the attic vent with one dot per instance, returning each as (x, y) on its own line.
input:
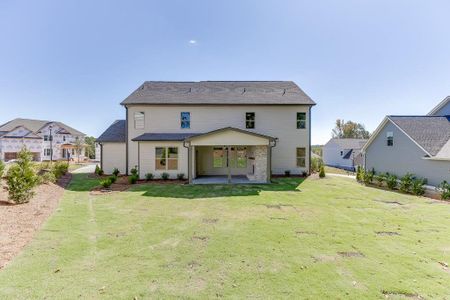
(284, 92)
(243, 91)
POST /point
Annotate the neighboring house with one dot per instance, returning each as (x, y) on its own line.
(97, 152)
(46, 140)
(343, 153)
(413, 144)
(241, 131)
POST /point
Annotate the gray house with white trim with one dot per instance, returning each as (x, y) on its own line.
(343, 153)
(240, 131)
(413, 144)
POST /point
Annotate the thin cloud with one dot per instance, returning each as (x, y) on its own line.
(193, 42)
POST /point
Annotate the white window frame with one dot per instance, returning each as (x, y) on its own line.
(139, 116)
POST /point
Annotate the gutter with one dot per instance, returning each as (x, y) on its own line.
(126, 140)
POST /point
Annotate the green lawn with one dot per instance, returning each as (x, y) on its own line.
(316, 239)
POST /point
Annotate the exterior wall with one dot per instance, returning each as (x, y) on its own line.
(444, 111)
(113, 157)
(260, 163)
(58, 140)
(332, 156)
(274, 120)
(229, 137)
(405, 156)
(16, 144)
(146, 162)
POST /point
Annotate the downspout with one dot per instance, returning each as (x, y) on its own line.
(189, 161)
(269, 163)
(126, 140)
(139, 159)
(101, 156)
(309, 158)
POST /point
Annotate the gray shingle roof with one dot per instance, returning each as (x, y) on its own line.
(163, 137)
(219, 92)
(430, 132)
(349, 143)
(35, 125)
(116, 133)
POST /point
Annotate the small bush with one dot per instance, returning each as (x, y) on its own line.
(368, 176)
(106, 183)
(97, 169)
(22, 178)
(113, 178)
(304, 173)
(380, 179)
(406, 183)
(444, 188)
(359, 172)
(134, 171)
(316, 162)
(322, 171)
(48, 177)
(287, 173)
(180, 176)
(391, 181)
(2, 168)
(417, 187)
(100, 172)
(149, 176)
(60, 169)
(133, 179)
(165, 176)
(116, 172)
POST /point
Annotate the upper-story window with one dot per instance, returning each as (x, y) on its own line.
(48, 138)
(139, 120)
(301, 120)
(64, 138)
(185, 120)
(390, 138)
(250, 120)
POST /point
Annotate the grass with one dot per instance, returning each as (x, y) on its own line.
(332, 170)
(329, 238)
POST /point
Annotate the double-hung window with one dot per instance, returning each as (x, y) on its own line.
(301, 157)
(139, 120)
(185, 120)
(301, 120)
(250, 120)
(47, 151)
(48, 138)
(390, 138)
(166, 158)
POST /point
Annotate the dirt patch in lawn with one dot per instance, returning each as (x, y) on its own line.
(387, 233)
(351, 254)
(396, 294)
(19, 223)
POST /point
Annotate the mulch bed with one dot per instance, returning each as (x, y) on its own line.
(19, 223)
(122, 184)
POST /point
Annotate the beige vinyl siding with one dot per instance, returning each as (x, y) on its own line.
(274, 120)
(113, 156)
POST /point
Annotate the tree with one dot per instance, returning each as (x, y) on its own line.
(90, 148)
(22, 178)
(78, 146)
(349, 129)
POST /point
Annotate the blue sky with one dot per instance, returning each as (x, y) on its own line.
(359, 60)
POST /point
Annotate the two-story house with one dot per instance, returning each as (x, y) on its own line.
(211, 131)
(46, 140)
(419, 145)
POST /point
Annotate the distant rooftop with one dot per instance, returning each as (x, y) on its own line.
(35, 125)
(219, 93)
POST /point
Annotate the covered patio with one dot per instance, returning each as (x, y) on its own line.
(229, 155)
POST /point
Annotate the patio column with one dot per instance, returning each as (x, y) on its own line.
(269, 163)
(228, 164)
(190, 163)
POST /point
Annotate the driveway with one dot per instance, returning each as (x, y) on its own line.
(86, 169)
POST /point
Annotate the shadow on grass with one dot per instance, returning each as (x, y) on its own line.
(213, 191)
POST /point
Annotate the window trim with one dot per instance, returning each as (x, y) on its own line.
(188, 121)
(300, 157)
(250, 124)
(143, 120)
(166, 158)
(301, 122)
(390, 138)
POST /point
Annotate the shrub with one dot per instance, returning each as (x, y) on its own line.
(60, 168)
(380, 178)
(417, 187)
(2, 168)
(97, 169)
(106, 183)
(316, 162)
(149, 176)
(444, 187)
(287, 173)
(134, 171)
(367, 176)
(48, 177)
(304, 173)
(116, 172)
(133, 179)
(165, 176)
(22, 178)
(180, 176)
(113, 178)
(391, 181)
(322, 171)
(406, 183)
(100, 172)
